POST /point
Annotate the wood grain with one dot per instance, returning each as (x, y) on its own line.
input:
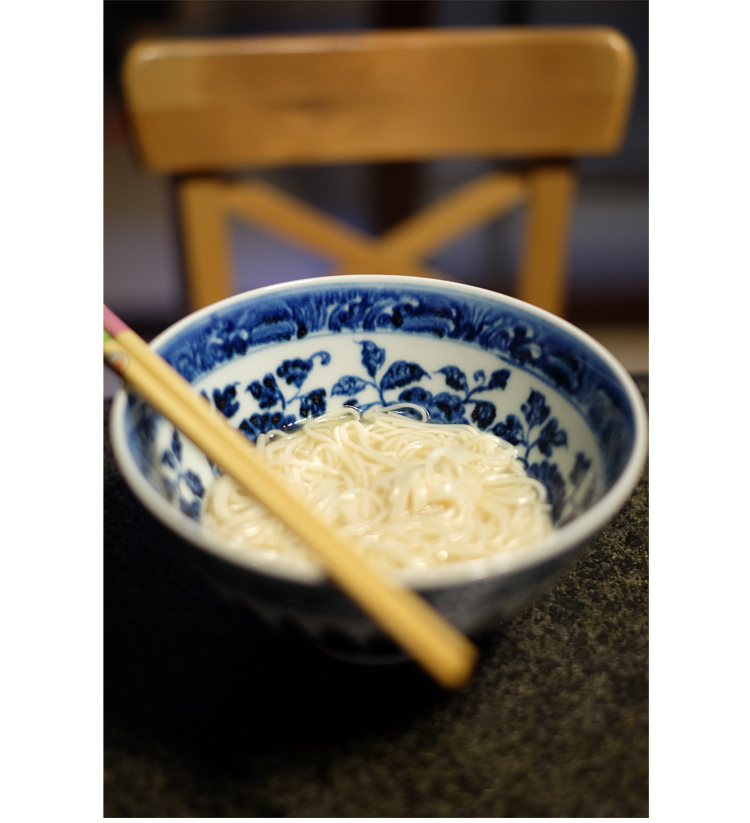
(221, 105)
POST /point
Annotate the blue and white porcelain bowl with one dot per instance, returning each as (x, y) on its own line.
(276, 355)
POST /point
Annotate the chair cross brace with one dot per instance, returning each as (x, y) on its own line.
(207, 202)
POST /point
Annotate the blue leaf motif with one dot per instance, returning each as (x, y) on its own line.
(455, 378)
(313, 403)
(443, 407)
(499, 379)
(294, 371)
(194, 483)
(373, 357)
(484, 414)
(400, 374)
(233, 344)
(547, 473)
(579, 470)
(418, 395)
(192, 509)
(551, 436)
(447, 408)
(170, 488)
(225, 401)
(168, 459)
(266, 393)
(177, 445)
(534, 409)
(511, 430)
(520, 346)
(349, 385)
(261, 423)
(350, 314)
(145, 426)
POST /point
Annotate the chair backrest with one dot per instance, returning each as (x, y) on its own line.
(204, 109)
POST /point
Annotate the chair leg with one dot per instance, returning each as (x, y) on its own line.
(206, 240)
(542, 278)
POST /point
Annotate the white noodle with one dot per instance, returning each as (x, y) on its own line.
(405, 492)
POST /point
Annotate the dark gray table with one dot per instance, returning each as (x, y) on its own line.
(209, 714)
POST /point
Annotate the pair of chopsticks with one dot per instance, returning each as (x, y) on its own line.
(433, 642)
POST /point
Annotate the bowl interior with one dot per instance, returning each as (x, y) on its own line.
(279, 355)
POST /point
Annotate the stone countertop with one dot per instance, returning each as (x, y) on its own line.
(207, 713)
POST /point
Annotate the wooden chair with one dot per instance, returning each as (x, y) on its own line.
(203, 110)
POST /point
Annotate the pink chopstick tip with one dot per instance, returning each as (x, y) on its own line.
(112, 323)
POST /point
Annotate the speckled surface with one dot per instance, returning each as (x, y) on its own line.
(208, 714)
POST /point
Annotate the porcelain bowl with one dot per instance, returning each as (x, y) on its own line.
(280, 354)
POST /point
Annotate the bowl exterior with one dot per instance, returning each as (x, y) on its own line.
(279, 355)
(325, 617)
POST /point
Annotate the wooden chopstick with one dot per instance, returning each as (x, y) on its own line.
(431, 640)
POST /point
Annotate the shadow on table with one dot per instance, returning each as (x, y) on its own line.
(182, 664)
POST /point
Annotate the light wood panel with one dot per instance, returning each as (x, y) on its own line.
(264, 101)
(224, 105)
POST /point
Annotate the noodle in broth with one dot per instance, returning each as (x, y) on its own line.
(407, 493)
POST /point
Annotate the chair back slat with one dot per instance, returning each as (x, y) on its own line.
(379, 96)
(202, 110)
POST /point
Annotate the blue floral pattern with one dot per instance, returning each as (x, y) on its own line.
(297, 315)
(519, 338)
(269, 394)
(508, 399)
(181, 485)
(457, 400)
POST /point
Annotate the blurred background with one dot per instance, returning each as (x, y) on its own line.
(608, 253)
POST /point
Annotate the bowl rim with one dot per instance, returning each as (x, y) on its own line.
(561, 541)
